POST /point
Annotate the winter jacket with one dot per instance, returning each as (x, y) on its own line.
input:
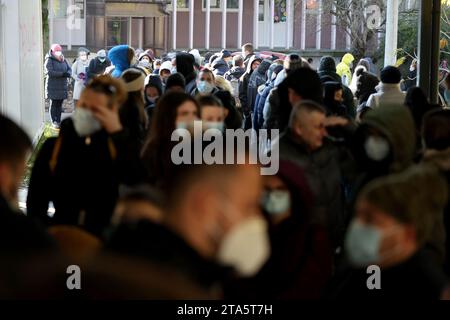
(96, 67)
(327, 71)
(159, 244)
(387, 94)
(325, 170)
(79, 73)
(343, 68)
(301, 257)
(441, 159)
(257, 79)
(119, 58)
(259, 115)
(82, 179)
(333, 107)
(57, 73)
(243, 87)
(234, 73)
(20, 235)
(429, 282)
(220, 67)
(185, 66)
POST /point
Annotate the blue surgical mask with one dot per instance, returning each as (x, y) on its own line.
(276, 202)
(362, 244)
(205, 87)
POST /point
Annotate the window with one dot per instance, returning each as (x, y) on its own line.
(60, 8)
(280, 11)
(312, 5)
(232, 5)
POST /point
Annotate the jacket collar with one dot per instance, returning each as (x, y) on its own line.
(385, 87)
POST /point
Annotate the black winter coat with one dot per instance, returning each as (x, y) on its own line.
(56, 73)
(82, 179)
(96, 67)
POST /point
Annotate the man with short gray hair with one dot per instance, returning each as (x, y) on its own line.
(306, 144)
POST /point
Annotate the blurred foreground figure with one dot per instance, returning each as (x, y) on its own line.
(211, 225)
(19, 235)
(80, 171)
(390, 233)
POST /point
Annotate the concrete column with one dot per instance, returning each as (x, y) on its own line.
(390, 50)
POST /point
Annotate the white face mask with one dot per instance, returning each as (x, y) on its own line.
(215, 125)
(58, 54)
(246, 247)
(85, 123)
(152, 99)
(377, 148)
(277, 202)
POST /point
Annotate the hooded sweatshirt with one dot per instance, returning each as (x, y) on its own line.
(343, 68)
(327, 71)
(257, 79)
(119, 58)
(185, 66)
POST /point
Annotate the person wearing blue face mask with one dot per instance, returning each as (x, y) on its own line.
(205, 83)
(98, 65)
(300, 263)
(395, 217)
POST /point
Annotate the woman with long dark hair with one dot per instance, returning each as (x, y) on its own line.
(174, 110)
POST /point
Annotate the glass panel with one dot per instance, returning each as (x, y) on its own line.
(117, 31)
(261, 10)
(280, 11)
(216, 4)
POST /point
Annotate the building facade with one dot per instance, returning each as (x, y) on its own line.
(304, 25)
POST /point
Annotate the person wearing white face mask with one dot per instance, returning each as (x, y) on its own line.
(301, 257)
(80, 171)
(212, 112)
(98, 65)
(79, 73)
(394, 219)
(212, 229)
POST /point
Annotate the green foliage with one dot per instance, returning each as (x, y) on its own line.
(48, 132)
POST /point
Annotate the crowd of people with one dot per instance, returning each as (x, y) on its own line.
(364, 171)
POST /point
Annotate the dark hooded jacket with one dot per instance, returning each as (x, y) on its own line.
(333, 107)
(327, 67)
(185, 66)
(257, 78)
(220, 67)
(301, 258)
(258, 120)
(243, 90)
